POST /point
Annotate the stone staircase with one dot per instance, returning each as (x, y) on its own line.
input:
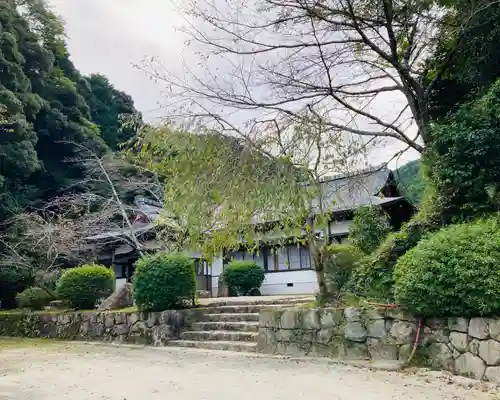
(230, 325)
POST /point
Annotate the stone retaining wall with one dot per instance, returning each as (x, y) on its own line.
(136, 327)
(464, 346)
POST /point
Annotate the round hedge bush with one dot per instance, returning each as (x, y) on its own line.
(34, 298)
(82, 287)
(455, 271)
(164, 281)
(243, 277)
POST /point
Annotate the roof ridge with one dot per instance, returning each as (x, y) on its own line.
(358, 172)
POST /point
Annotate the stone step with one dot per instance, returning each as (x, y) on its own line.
(226, 326)
(246, 308)
(230, 317)
(219, 336)
(260, 301)
(248, 347)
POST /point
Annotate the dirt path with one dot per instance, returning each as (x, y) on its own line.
(81, 372)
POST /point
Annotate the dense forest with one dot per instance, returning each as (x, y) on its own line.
(46, 106)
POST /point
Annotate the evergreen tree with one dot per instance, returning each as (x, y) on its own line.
(108, 107)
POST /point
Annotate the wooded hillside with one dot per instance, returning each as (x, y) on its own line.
(45, 103)
(410, 181)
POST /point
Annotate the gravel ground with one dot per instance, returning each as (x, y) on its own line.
(97, 372)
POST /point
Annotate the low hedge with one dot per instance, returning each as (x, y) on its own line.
(164, 281)
(82, 287)
(34, 298)
(243, 277)
(455, 271)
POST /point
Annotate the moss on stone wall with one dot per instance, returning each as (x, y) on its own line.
(133, 327)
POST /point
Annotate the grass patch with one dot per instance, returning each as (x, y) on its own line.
(309, 305)
(17, 311)
(127, 310)
(7, 343)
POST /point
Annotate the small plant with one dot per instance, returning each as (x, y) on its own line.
(341, 262)
(452, 272)
(34, 298)
(82, 287)
(164, 281)
(369, 228)
(243, 277)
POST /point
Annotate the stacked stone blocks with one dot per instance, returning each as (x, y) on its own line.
(465, 346)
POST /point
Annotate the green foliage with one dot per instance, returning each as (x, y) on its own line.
(243, 277)
(108, 106)
(474, 65)
(462, 172)
(34, 298)
(369, 228)
(452, 272)
(12, 281)
(410, 181)
(374, 276)
(82, 287)
(164, 281)
(464, 161)
(219, 181)
(342, 260)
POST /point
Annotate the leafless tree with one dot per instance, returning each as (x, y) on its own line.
(98, 209)
(358, 65)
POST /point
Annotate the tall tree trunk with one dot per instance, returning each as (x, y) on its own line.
(317, 250)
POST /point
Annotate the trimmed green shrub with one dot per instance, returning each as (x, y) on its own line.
(455, 271)
(13, 280)
(341, 262)
(243, 277)
(82, 287)
(34, 298)
(369, 228)
(164, 281)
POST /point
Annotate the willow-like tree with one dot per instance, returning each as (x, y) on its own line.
(223, 193)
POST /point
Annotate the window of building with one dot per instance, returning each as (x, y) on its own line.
(288, 258)
(274, 259)
(248, 256)
(120, 271)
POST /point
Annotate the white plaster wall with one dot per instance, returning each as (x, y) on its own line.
(304, 282)
(120, 282)
(275, 283)
(216, 270)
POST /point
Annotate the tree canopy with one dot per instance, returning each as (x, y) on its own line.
(473, 63)
(108, 106)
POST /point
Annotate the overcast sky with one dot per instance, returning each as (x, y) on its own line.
(110, 36)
